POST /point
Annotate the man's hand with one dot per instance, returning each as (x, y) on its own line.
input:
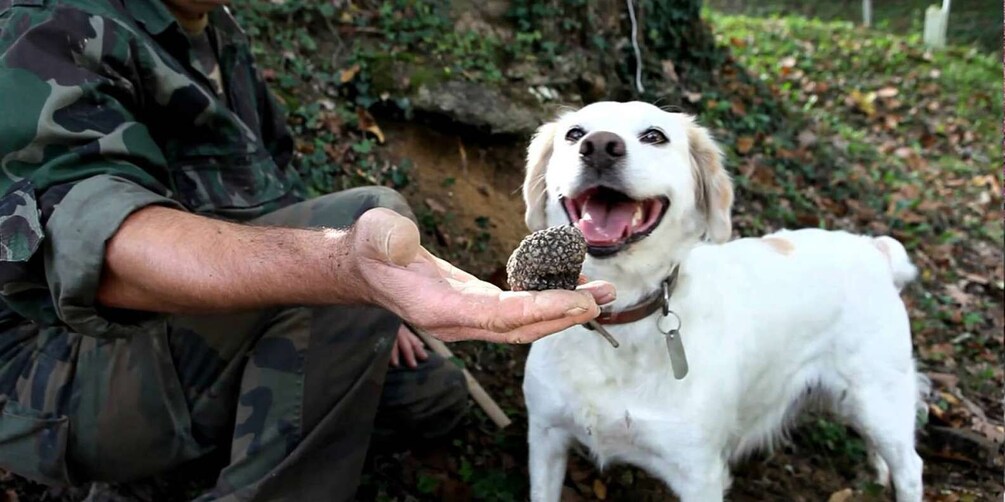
(407, 348)
(163, 260)
(431, 294)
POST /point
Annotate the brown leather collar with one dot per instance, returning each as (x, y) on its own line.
(643, 309)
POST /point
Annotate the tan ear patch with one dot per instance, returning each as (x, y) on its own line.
(534, 190)
(781, 246)
(714, 189)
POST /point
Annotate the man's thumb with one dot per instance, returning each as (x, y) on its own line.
(387, 236)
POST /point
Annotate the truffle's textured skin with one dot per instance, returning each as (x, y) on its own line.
(547, 259)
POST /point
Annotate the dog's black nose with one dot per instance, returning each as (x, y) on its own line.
(602, 150)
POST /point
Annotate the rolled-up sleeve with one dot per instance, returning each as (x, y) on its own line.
(75, 162)
(78, 230)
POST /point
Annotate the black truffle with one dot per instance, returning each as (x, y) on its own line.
(547, 259)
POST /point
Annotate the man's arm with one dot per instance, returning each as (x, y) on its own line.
(166, 260)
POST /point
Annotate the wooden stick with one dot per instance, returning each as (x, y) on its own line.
(477, 391)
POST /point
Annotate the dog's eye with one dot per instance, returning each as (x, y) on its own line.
(653, 137)
(574, 134)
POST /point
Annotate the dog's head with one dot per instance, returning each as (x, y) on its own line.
(631, 176)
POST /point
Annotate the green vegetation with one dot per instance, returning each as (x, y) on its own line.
(977, 22)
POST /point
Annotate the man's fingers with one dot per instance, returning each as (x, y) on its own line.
(508, 311)
(603, 292)
(394, 354)
(407, 353)
(418, 349)
(516, 310)
(522, 335)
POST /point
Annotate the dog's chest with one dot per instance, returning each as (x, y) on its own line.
(616, 406)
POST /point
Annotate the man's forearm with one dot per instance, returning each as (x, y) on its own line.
(164, 260)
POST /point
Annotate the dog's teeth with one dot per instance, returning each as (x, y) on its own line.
(637, 217)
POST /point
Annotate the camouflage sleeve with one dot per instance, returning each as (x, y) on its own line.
(275, 132)
(74, 163)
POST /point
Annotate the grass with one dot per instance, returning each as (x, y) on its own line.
(976, 22)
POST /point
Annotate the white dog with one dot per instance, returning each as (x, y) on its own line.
(765, 323)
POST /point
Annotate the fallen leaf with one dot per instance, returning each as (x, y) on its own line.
(669, 71)
(744, 144)
(887, 92)
(738, 108)
(944, 380)
(995, 433)
(807, 138)
(841, 495)
(435, 206)
(599, 489)
(958, 295)
(369, 124)
(349, 73)
(692, 97)
(865, 103)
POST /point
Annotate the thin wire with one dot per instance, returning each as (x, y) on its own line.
(635, 45)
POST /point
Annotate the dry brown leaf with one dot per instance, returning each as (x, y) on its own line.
(887, 92)
(807, 138)
(738, 108)
(692, 97)
(669, 71)
(349, 73)
(995, 433)
(369, 124)
(958, 295)
(841, 495)
(435, 206)
(600, 489)
(944, 380)
(744, 144)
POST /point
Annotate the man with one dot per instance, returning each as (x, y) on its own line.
(168, 292)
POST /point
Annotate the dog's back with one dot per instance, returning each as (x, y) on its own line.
(767, 323)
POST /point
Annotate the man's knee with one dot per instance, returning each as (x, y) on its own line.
(344, 208)
(389, 198)
(425, 403)
(338, 210)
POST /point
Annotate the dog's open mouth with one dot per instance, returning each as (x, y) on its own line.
(610, 220)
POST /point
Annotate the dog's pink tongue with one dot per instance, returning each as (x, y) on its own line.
(604, 224)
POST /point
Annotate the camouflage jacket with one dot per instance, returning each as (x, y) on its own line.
(103, 112)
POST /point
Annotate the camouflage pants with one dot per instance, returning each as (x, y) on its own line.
(295, 391)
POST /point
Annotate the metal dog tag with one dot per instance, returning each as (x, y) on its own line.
(675, 346)
(678, 361)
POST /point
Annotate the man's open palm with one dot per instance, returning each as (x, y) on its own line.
(432, 294)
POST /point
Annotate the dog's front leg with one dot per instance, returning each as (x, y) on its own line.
(698, 477)
(549, 454)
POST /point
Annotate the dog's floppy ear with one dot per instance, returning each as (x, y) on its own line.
(714, 195)
(534, 195)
